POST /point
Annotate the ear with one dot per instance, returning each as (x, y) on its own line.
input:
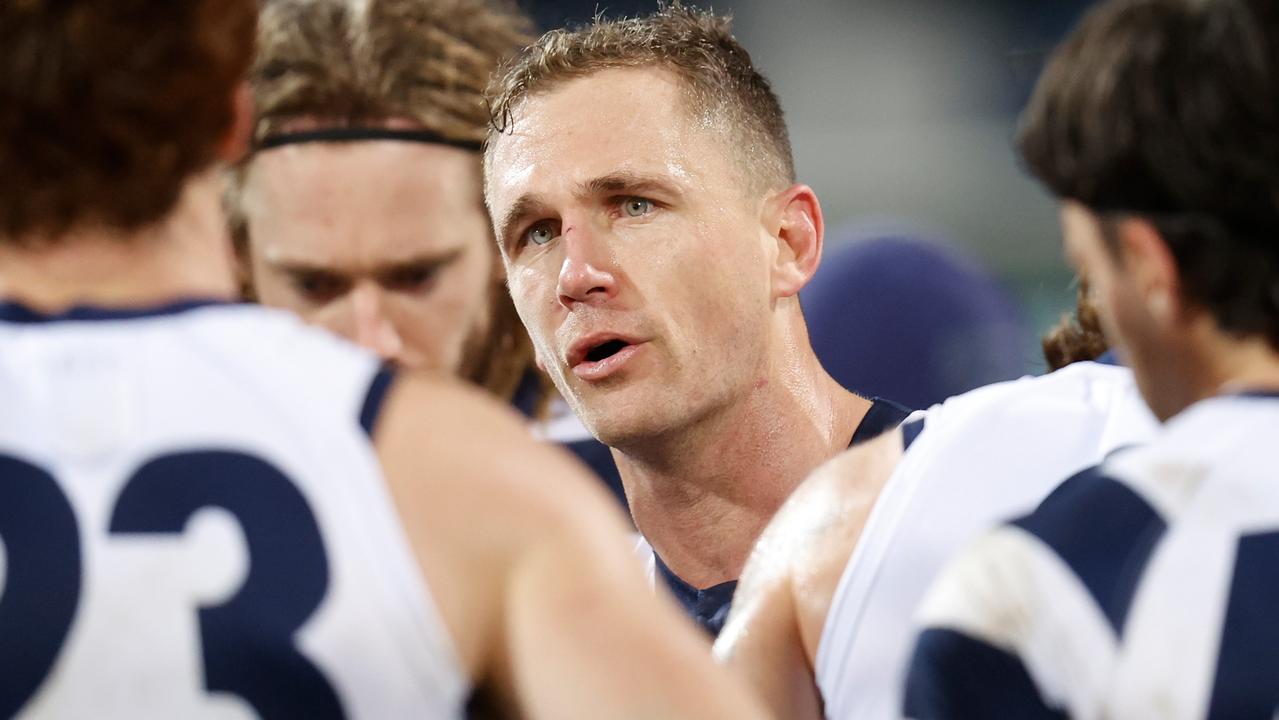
(795, 219)
(1151, 268)
(235, 144)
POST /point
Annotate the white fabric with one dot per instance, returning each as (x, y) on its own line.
(1214, 466)
(983, 457)
(90, 402)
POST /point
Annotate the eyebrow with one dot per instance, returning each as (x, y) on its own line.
(617, 183)
(523, 208)
(422, 261)
(628, 183)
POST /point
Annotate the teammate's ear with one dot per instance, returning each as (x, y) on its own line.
(235, 144)
(797, 224)
(1150, 266)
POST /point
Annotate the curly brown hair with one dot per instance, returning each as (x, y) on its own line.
(107, 107)
(697, 46)
(324, 64)
(1077, 336)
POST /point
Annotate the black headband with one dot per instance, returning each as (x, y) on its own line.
(364, 133)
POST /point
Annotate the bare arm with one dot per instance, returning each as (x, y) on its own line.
(532, 568)
(780, 608)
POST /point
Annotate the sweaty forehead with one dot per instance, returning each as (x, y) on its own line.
(635, 120)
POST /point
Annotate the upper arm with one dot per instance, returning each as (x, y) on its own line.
(543, 594)
(780, 609)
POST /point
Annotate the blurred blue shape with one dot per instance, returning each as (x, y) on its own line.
(911, 320)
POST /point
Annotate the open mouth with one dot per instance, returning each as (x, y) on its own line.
(605, 350)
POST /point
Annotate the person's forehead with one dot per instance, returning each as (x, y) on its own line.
(636, 120)
(318, 179)
(363, 203)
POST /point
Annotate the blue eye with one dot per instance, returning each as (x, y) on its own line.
(637, 207)
(540, 234)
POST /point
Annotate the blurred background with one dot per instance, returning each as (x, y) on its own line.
(902, 115)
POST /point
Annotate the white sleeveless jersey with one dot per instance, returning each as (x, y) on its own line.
(1143, 588)
(193, 524)
(982, 458)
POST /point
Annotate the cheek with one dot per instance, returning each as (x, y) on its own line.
(533, 291)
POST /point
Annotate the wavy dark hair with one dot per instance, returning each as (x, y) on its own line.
(1169, 110)
(107, 107)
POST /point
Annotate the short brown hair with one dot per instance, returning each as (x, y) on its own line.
(697, 46)
(107, 107)
(1169, 110)
(425, 61)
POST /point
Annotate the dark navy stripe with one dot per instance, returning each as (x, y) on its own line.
(374, 397)
(707, 607)
(953, 675)
(1104, 532)
(911, 431)
(12, 312)
(1257, 394)
(1246, 684)
(882, 416)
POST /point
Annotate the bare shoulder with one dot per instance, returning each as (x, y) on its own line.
(476, 494)
(458, 445)
(806, 546)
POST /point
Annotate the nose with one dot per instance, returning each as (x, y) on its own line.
(373, 327)
(585, 275)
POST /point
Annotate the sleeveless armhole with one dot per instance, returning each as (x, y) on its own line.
(431, 648)
(371, 408)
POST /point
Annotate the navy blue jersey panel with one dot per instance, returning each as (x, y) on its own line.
(882, 416)
(911, 431)
(1246, 685)
(12, 312)
(707, 607)
(1104, 532)
(953, 675)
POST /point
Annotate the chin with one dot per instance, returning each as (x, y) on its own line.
(624, 424)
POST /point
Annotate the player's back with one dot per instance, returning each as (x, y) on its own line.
(195, 524)
(1199, 638)
(1140, 588)
(982, 457)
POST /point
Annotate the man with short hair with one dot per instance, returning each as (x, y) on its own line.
(209, 509)
(1145, 586)
(655, 240)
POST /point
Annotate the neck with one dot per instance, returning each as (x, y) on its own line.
(186, 254)
(702, 496)
(1236, 366)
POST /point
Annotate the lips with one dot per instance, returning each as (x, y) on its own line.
(599, 355)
